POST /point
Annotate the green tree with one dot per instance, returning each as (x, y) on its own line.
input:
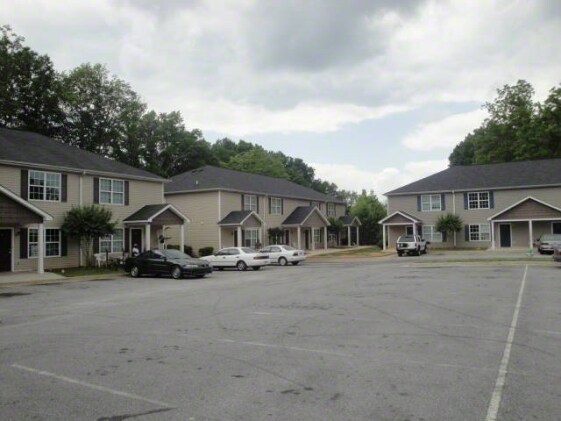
(369, 210)
(29, 87)
(258, 161)
(88, 223)
(336, 226)
(449, 223)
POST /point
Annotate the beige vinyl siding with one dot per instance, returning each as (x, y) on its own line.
(202, 210)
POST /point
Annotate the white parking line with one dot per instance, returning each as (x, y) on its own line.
(493, 410)
(92, 386)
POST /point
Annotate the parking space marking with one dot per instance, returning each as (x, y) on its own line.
(495, 402)
(93, 386)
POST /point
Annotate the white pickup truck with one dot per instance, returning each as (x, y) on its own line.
(411, 244)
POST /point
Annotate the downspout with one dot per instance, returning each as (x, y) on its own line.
(454, 212)
(81, 201)
(219, 218)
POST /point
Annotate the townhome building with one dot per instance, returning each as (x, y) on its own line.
(41, 179)
(235, 208)
(501, 205)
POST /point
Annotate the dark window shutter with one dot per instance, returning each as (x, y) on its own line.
(491, 200)
(126, 193)
(127, 240)
(282, 208)
(63, 243)
(257, 200)
(96, 245)
(465, 200)
(64, 188)
(243, 200)
(270, 205)
(419, 203)
(96, 190)
(287, 237)
(25, 185)
(443, 201)
(466, 232)
(23, 243)
(243, 238)
(444, 235)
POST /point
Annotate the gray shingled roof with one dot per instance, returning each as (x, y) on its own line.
(146, 212)
(298, 215)
(235, 217)
(32, 148)
(215, 178)
(508, 174)
(348, 219)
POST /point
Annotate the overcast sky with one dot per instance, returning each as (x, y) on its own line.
(373, 94)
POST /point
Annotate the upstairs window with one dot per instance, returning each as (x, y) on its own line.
(331, 209)
(111, 192)
(316, 205)
(44, 186)
(478, 200)
(276, 206)
(431, 202)
(250, 202)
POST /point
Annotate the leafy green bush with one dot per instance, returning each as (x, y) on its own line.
(206, 251)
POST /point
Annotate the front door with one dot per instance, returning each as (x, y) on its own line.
(505, 237)
(307, 239)
(556, 227)
(409, 230)
(5, 250)
(136, 238)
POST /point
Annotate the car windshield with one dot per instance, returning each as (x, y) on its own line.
(289, 248)
(247, 250)
(407, 238)
(174, 254)
(551, 237)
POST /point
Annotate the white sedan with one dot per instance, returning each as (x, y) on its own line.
(238, 257)
(284, 255)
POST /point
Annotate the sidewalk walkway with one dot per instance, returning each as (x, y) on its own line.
(25, 277)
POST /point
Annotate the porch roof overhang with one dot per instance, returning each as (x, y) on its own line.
(20, 201)
(349, 221)
(148, 213)
(301, 214)
(238, 218)
(527, 209)
(408, 219)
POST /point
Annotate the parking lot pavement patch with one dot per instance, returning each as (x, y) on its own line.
(13, 294)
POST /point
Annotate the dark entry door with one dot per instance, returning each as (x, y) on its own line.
(504, 230)
(136, 238)
(5, 250)
(556, 227)
(307, 239)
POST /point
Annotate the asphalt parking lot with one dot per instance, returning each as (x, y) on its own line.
(322, 341)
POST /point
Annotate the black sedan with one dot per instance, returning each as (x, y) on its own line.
(167, 262)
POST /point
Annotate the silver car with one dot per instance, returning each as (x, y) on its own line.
(548, 242)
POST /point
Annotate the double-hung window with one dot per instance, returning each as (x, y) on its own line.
(316, 204)
(52, 242)
(111, 192)
(250, 237)
(317, 236)
(431, 202)
(478, 200)
(276, 206)
(479, 232)
(44, 186)
(430, 234)
(250, 202)
(112, 243)
(331, 209)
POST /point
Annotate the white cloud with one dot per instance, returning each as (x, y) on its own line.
(445, 133)
(350, 177)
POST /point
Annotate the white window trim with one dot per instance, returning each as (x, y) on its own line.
(430, 236)
(278, 207)
(430, 209)
(111, 192)
(316, 204)
(479, 232)
(45, 241)
(317, 232)
(112, 241)
(44, 199)
(247, 205)
(478, 193)
(331, 209)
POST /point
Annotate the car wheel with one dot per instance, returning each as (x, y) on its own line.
(256, 267)
(241, 266)
(295, 263)
(283, 261)
(400, 254)
(220, 269)
(176, 272)
(135, 271)
(540, 251)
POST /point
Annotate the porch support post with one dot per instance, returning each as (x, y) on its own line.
(147, 239)
(299, 231)
(349, 235)
(357, 235)
(313, 238)
(260, 236)
(492, 235)
(384, 247)
(414, 228)
(325, 238)
(530, 228)
(219, 237)
(239, 237)
(182, 238)
(41, 251)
